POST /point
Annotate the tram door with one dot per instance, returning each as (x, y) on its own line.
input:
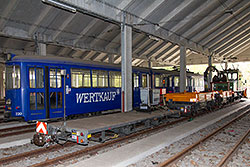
(54, 83)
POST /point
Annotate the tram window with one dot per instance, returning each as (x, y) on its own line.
(170, 82)
(94, 79)
(59, 79)
(33, 101)
(144, 81)
(80, 78)
(99, 78)
(39, 78)
(55, 78)
(40, 101)
(136, 80)
(176, 81)
(165, 82)
(200, 82)
(157, 81)
(53, 100)
(59, 99)
(115, 79)
(36, 78)
(52, 76)
(235, 76)
(32, 78)
(12, 77)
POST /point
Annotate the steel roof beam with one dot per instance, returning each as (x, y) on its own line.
(21, 34)
(92, 58)
(231, 36)
(102, 34)
(173, 13)
(106, 11)
(62, 51)
(237, 52)
(172, 53)
(71, 53)
(84, 54)
(63, 25)
(84, 31)
(166, 51)
(146, 48)
(221, 21)
(176, 59)
(195, 13)
(158, 49)
(7, 12)
(151, 8)
(89, 55)
(234, 47)
(39, 19)
(137, 46)
(232, 39)
(236, 27)
(242, 17)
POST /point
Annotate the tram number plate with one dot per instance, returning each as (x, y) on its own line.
(74, 137)
(19, 113)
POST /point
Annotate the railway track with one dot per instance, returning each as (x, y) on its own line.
(85, 151)
(233, 151)
(2, 102)
(203, 143)
(17, 130)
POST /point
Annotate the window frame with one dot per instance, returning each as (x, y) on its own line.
(35, 77)
(81, 70)
(115, 74)
(13, 71)
(98, 72)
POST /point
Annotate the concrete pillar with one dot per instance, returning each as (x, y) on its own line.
(210, 73)
(41, 49)
(126, 52)
(111, 58)
(183, 75)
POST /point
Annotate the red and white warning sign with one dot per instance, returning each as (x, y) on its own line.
(41, 127)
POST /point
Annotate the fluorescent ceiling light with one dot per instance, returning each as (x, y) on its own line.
(154, 38)
(60, 5)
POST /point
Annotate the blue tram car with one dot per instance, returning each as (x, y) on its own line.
(35, 86)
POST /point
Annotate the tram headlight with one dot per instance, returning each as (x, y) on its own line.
(8, 102)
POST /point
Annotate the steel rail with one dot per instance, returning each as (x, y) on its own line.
(191, 147)
(225, 160)
(16, 133)
(17, 157)
(33, 153)
(94, 149)
(18, 128)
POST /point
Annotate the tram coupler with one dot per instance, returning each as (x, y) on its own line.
(41, 140)
(47, 135)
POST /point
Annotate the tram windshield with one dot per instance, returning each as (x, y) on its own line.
(12, 77)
